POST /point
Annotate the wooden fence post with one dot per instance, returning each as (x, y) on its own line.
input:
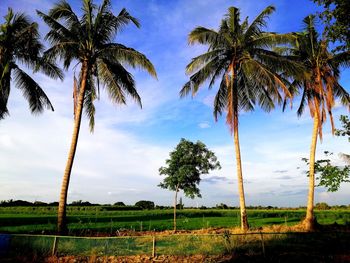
(154, 246)
(262, 243)
(54, 246)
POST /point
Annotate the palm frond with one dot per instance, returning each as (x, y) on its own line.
(220, 100)
(203, 36)
(127, 55)
(63, 10)
(233, 18)
(255, 28)
(34, 94)
(124, 80)
(89, 98)
(201, 60)
(49, 68)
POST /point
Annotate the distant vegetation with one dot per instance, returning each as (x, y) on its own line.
(150, 205)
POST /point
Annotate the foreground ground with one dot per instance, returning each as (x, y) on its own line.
(277, 243)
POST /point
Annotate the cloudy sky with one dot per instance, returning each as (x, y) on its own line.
(120, 160)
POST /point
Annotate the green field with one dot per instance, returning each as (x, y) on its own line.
(87, 220)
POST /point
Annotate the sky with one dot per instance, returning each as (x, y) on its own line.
(120, 160)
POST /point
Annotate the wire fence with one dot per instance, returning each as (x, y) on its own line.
(179, 244)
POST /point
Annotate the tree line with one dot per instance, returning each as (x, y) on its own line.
(253, 68)
(150, 205)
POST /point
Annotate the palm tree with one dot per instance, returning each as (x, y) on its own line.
(320, 87)
(240, 54)
(88, 40)
(20, 44)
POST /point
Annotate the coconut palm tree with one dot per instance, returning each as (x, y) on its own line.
(88, 39)
(20, 45)
(241, 56)
(320, 87)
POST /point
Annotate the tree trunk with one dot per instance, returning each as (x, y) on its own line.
(234, 113)
(62, 221)
(309, 221)
(244, 218)
(175, 203)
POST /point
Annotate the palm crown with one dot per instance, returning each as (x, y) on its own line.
(320, 87)
(88, 39)
(241, 56)
(20, 45)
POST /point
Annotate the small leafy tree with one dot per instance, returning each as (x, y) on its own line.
(328, 175)
(346, 127)
(345, 131)
(185, 166)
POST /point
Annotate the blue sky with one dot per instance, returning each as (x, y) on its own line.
(120, 160)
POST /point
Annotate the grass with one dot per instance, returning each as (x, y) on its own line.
(84, 220)
(327, 246)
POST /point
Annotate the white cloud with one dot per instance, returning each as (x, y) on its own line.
(204, 125)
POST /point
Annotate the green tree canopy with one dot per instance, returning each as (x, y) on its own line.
(143, 204)
(337, 20)
(186, 164)
(345, 131)
(328, 175)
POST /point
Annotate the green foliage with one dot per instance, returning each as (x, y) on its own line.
(20, 45)
(345, 131)
(322, 206)
(221, 206)
(119, 204)
(337, 20)
(143, 204)
(81, 203)
(186, 164)
(328, 175)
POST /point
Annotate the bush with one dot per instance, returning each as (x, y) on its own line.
(143, 204)
(119, 204)
(322, 206)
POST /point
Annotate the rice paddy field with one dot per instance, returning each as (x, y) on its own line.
(98, 220)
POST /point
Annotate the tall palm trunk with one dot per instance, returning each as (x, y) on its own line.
(309, 221)
(62, 221)
(244, 218)
(234, 111)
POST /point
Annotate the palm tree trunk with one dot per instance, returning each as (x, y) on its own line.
(62, 221)
(309, 221)
(244, 218)
(175, 203)
(233, 110)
